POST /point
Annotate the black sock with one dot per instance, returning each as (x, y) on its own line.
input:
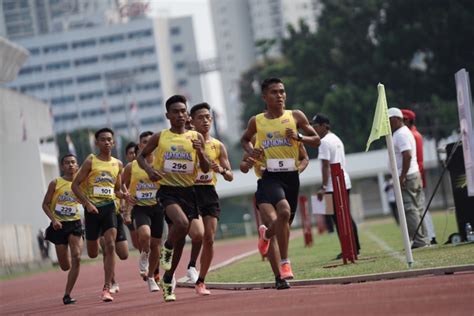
(200, 280)
(167, 279)
(192, 263)
(168, 245)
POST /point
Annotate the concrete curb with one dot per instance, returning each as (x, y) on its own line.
(339, 280)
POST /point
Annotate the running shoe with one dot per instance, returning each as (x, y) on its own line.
(263, 244)
(143, 264)
(152, 286)
(285, 271)
(192, 275)
(114, 288)
(68, 300)
(168, 292)
(106, 297)
(201, 289)
(281, 284)
(165, 258)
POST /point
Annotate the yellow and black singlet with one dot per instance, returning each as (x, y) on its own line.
(176, 156)
(141, 187)
(101, 180)
(280, 152)
(213, 151)
(64, 204)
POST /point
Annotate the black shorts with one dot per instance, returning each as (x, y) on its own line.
(121, 235)
(97, 223)
(185, 197)
(151, 216)
(207, 201)
(276, 186)
(61, 236)
(131, 226)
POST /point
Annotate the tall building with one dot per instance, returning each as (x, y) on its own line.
(239, 26)
(116, 75)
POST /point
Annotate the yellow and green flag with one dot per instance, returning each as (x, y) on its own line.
(381, 124)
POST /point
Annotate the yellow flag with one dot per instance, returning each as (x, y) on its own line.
(381, 124)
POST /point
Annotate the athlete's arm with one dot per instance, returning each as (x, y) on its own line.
(224, 164)
(247, 163)
(198, 145)
(325, 170)
(310, 137)
(48, 197)
(246, 139)
(303, 158)
(118, 184)
(153, 174)
(126, 178)
(80, 177)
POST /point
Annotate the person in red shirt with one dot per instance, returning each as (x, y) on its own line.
(409, 119)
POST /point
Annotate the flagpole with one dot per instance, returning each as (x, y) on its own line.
(399, 200)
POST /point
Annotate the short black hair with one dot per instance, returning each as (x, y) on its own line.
(103, 130)
(67, 155)
(145, 134)
(320, 119)
(175, 99)
(200, 106)
(267, 82)
(130, 145)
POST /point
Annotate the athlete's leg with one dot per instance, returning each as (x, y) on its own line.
(121, 249)
(268, 216)
(75, 246)
(282, 227)
(196, 232)
(210, 225)
(154, 257)
(64, 259)
(144, 236)
(93, 248)
(109, 255)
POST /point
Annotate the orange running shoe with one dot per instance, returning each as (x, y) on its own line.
(263, 244)
(201, 289)
(285, 271)
(106, 297)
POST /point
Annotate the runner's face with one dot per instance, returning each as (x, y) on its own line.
(69, 165)
(177, 114)
(105, 142)
(144, 141)
(202, 121)
(131, 155)
(275, 96)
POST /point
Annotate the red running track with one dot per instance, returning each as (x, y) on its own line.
(429, 295)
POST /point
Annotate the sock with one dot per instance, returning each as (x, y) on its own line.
(167, 279)
(283, 261)
(168, 245)
(200, 280)
(192, 263)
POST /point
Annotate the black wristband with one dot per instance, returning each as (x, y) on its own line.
(224, 170)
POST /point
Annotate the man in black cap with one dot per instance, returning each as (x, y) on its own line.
(331, 151)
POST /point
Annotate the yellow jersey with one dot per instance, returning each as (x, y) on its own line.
(141, 187)
(177, 158)
(213, 151)
(101, 180)
(64, 204)
(280, 152)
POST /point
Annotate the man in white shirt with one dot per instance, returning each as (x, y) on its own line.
(409, 174)
(331, 151)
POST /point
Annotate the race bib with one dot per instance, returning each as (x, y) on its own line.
(146, 195)
(103, 192)
(279, 165)
(179, 166)
(204, 177)
(65, 210)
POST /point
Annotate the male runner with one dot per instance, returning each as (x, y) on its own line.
(147, 212)
(278, 139)
(101, 174)
(208, 200)
(131, 151)
(175, 166)
(61, 206)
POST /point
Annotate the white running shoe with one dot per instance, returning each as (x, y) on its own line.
(114, 288)
(143, 263)
(152, 286)
(192, 275)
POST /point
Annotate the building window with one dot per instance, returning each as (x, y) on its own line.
(84, 44)
(175, 30)
(34, 51)
(86, 61)
(140, 34)
(88, 78)
(93, 112)
(112, 39)
(114, 56)
(150, 103)
(65, 117)
(55, 48)
(117, 108)
(30, 70)
(182, 82)
(91, 95)
(32, 87)
(151, 120)
(60, 83)
(148, 86)
(177, 48)
(142, 51)
(63, 100)
(118, 91)
(180, 65)
(58, 65)
(146, 69)
(120, 125)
